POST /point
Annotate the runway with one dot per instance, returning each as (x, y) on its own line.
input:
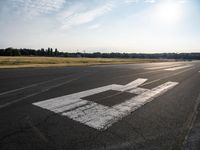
(131, 106)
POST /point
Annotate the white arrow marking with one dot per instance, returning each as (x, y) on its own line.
(138, 91)
(99, 116)
(131, 85)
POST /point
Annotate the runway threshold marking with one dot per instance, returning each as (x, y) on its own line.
(177, 68)
(99, 116)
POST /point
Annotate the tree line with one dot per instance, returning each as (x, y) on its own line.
(50, 52)
(28, 52)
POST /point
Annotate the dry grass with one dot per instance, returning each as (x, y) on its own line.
(22, 62)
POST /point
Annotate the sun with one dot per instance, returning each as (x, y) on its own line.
(168, 12)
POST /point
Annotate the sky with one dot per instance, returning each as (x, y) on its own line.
(133, 26)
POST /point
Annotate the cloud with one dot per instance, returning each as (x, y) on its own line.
(131, 1)
(32, 8)
(74, 17)
(150, 1)
(183, 1)
(95, 26)
(136, 1)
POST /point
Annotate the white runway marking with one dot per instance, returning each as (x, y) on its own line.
(177, 68)
(161, 67)
(131, 85)
(100, 116)
(138, 91)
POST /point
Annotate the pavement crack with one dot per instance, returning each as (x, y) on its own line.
(190, 123)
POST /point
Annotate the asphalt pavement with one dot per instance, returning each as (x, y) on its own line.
(151, 106)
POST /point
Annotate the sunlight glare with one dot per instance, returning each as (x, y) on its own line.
(168, 12)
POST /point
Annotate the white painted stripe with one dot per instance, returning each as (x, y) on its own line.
(138, 90)
(59, 105)
(177, 68)
(161, 67)
(167, 76)
(99, 116)
(72, 101)
(132, 84)
(140, 100)
(83, 111)
(93, 91)
(94, 115)
(105, 116)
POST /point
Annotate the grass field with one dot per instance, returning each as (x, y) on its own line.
(22, 62)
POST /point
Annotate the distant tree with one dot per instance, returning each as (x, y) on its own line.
(51, 51)
(2, 52)
(43, 53)
(16, 52)
(8, 51)
(56, 52)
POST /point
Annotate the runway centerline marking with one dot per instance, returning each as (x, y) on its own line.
(99, 116)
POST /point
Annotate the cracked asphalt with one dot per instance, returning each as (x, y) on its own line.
(165, 123)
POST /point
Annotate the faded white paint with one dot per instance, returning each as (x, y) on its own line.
(161, 67)
(138, 90)
(177, 68)
(130, 85)
(99, 116)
